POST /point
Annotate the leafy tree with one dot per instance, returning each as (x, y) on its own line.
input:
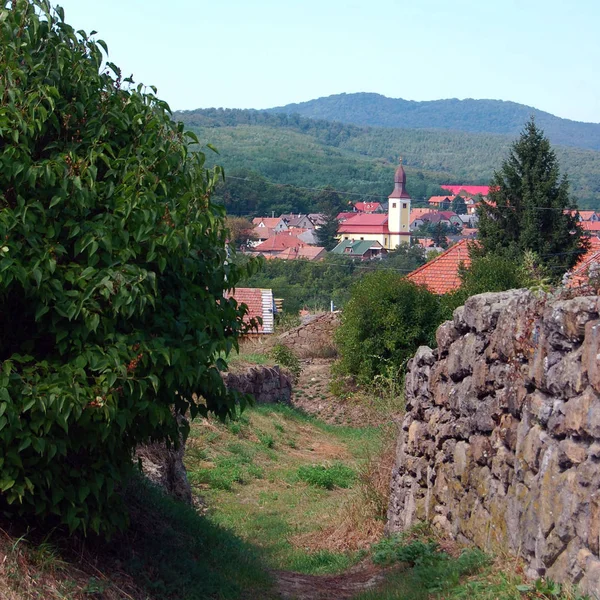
(330, 203)
(529, 207)
(240, 230)
(112, 274)
(386, 319)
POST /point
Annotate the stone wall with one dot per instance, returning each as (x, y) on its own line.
(268, 385)
(500, 445)
(314, 338)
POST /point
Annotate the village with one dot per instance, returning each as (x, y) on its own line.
(373, 230)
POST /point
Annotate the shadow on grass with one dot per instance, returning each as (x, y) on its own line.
(172, 552)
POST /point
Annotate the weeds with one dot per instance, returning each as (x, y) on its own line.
(286, 358)
(328, 477)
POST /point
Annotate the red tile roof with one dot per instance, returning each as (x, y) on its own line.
(253, 299)
(441, 274)
(344, 216)
(279, 242)
(590, 225)
(363, 223)
(484, 190)
(584, 215)
(267, 221)
(418, 212)
(579, 274)
(367, 207)
(305, 252)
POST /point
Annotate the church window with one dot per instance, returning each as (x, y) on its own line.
(404, 205)
(393, 205)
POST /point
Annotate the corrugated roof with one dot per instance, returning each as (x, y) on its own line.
(441, 274)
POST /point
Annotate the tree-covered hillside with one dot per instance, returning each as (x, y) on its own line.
(475, 116)
(289, 149)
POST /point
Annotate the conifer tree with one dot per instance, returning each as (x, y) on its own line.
(529, 207)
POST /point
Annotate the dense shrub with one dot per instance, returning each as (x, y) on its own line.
(383, 324)
(112, 272)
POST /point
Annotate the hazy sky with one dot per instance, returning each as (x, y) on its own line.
(263, 53)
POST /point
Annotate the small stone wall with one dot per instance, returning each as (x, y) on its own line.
(164, 467)
(268, 385)
(500, 444)
(313, 339)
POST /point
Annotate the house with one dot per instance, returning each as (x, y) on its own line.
(441, 202)
(591, 227)
(308, 236)
(415, 213)
(587, 266)
(299, 252)
(260, 303)
(276, 223)
(441, 275)
(260, 235)
(362, 249)
(298, 221)
(584, 215)
(390, 229)
(447, 218)
(367, 207)
(469, 190)
(344, 216)
(278, 243)
(318, 219)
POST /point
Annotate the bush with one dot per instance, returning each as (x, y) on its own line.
(328, 477)
(383, 324)
(112, 274)
(286, 358)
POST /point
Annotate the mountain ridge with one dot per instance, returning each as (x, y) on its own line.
(299, 151)
(469, 115)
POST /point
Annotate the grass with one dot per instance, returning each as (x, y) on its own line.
(327, 476)
(168, 552)
(426, 572)
(278, 479)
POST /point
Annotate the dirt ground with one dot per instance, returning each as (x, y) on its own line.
(313, 396)
(296, 586)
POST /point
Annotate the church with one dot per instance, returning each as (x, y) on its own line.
(391, 229)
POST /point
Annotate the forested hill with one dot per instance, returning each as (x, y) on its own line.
(474, 116)
(290, 149)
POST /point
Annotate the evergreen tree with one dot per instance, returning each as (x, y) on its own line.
(459, 206)
(529, 207)
(330, 204)
(327, 233)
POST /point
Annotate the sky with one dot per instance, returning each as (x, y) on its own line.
(265, 53)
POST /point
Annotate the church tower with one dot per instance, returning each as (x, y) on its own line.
(399, 211)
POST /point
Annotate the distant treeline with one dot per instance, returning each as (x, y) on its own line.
(290, 149)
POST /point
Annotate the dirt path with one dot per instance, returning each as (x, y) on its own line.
(297, 586)
(312, 395)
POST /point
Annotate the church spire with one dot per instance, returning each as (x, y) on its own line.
(400, 183)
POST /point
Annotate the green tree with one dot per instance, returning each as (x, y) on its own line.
(113, 268)
(458, 205)
(330, 204)
(386, 319)
(529, 206)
